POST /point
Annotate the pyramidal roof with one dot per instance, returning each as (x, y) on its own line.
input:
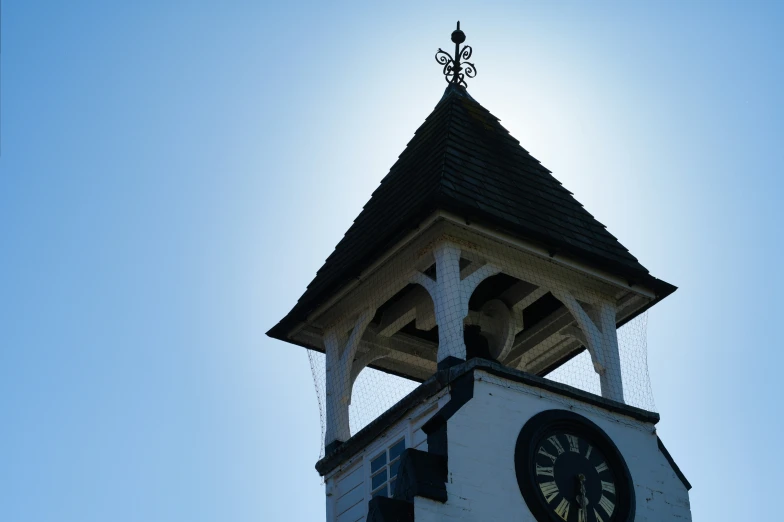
(463, 161)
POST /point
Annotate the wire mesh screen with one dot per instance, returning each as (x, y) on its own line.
(374, 393)
(633, 347)
(453, 298)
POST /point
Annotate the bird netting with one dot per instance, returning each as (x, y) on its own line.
(455, 299)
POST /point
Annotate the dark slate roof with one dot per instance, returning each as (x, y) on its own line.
(462, 160)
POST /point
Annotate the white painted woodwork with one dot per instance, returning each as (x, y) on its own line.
(416, 354)
(361, 362)
(374, 288)
(588, 296)
(564, 261)
(533, 337)
(482, 434)
(542, 355)
(601, 340)
(528, 300)
(416, 304)
(407, 354)
(383, 279)
(537, 272)
(611, 380)
(349, 504)
(341, 350)
(450, 296)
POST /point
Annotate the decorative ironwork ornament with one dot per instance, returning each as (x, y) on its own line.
(458, 68)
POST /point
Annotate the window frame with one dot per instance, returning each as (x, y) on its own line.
(384, 445)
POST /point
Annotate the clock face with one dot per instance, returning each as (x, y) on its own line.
(569, 470)
(574, 478)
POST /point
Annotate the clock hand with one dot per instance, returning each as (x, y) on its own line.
(582, 498)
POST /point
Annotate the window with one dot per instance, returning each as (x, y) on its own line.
(383, 469)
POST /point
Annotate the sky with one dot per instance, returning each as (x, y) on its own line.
(172, 175)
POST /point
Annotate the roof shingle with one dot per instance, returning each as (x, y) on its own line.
(462, 160)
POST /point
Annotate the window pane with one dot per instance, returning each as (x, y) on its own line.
(378, 463)
(392, 487)
(379, 479)
(393, 468)
(397, 449)
(381, 492)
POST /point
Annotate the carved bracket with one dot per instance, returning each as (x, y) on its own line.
(598, 334)
(341, 348)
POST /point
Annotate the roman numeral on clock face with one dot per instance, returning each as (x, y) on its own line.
(556, 443)
(549, 490)
(563, 509)
(588, 453)
(601, 467)
(607, 505)
(545, 470)
(574, 443)
(543, 451)
(598, 517)
(609, 487)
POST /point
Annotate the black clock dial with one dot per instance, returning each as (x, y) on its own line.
(574, 478)
(569, 470)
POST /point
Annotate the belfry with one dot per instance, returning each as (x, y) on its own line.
(473, 272)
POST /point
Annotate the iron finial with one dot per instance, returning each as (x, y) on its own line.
(458, 36)
(457, 69)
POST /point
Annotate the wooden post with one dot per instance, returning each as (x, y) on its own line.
(601, 340)
(450, 297)
(341, 350)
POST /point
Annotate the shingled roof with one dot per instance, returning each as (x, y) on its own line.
(462, 160)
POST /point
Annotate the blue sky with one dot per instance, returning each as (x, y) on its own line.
(173, 174)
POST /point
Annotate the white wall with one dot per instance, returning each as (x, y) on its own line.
(482, 485)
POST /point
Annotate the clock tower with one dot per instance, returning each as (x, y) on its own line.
(475, 275)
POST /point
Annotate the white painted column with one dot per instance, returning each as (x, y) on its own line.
(450, 297)
(448, 303)
(611, 380)
(340, 351)
(601, 340)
